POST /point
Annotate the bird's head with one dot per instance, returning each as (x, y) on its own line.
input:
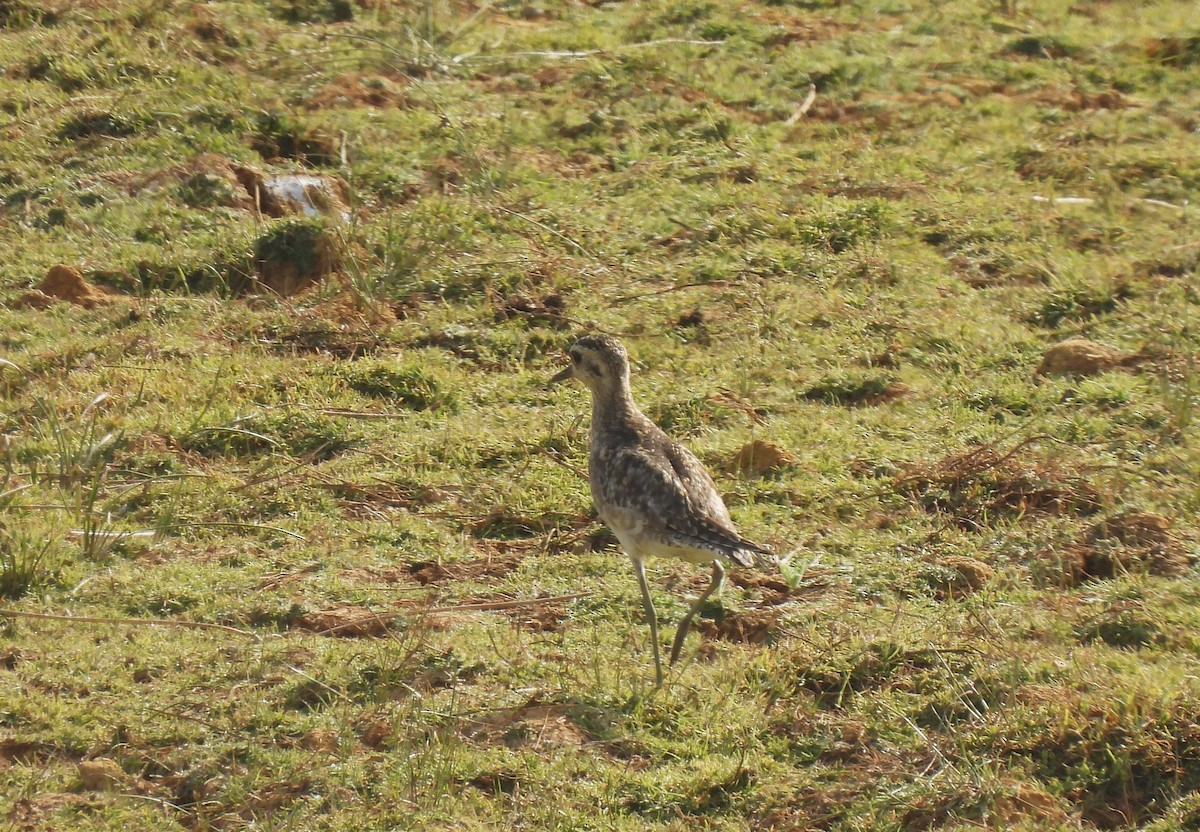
(599, 361)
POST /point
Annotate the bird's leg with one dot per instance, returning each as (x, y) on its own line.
(639, 567)
(714, 585)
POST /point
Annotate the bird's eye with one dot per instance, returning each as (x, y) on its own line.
(574, 357)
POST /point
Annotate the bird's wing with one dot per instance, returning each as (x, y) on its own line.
(673, 495)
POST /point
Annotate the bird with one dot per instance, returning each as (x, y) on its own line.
(651, 491)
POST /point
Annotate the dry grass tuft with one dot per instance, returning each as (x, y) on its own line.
(981, 486)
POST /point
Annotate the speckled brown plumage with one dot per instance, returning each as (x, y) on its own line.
(653, 493)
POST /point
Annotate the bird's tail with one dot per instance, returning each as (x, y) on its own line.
(750, 555)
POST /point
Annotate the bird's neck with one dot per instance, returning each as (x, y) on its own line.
(614, 406)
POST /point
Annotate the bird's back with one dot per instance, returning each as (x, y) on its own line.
(657, 496)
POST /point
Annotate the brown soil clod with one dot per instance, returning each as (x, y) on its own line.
(101, 774)
(1081, 357)
(759, 457)
(427, 572)
(954, 576)
(548, 309)
(63, 283)
(691, 319)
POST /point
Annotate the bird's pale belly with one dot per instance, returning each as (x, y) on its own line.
(639, 545)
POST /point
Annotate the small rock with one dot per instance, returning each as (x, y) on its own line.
(759, 457)
(295, 194)
(101, 774)
(1081, 357)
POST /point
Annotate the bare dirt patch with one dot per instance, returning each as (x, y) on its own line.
(352, 90)
(880, 109)
(427, 572)
(757, 626)
(24, 751)
(34, 813)
(1132, 541)
(772, 590)
(534, 725)
(343, 622)
(1075, 101)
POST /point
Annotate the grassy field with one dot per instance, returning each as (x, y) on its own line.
(316, 443)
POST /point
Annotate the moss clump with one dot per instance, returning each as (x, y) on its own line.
(412, 387)
(293, 255)
(300, 434)
(851, 389)
(1078, 303)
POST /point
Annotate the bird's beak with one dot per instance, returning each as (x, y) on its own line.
(567, 374)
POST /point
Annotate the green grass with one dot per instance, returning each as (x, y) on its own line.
(989, 618)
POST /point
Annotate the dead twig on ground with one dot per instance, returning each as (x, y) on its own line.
(804, 107)
(483, 606)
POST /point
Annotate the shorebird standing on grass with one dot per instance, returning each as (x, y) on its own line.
(651, 491)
